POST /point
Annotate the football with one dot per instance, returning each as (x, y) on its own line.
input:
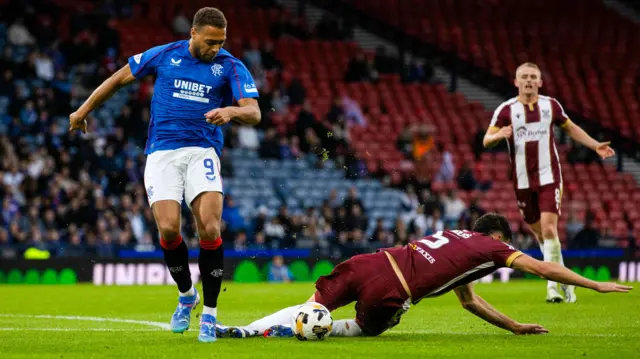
(312, 321)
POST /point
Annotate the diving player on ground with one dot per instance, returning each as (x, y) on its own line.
(386, 283)
(197, 82)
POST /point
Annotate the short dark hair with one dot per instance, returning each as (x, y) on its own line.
(491, 223)
(209, 16)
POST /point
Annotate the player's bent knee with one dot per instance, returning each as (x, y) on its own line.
(549, 232)
(211, 231)
(169, 233)
(169, 228)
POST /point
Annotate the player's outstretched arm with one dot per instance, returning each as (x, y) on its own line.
(579, 135)
(110, 86)
(478, 306)
(495, 134)
(559, 273)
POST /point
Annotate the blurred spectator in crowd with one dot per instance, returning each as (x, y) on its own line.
(248, 137)
(274, 232)
(332, 28)
(467, 180)
(252, 56)
(401, 237)
(454, 208)
(523, 239)
(608, 240)
(270, 147)
(279, 102)
(435, 223)
(478, 138)
(419, 223)
(404, 142)
(417, 71)
(19, 35)
(269, 60)
(360, 68)
(422, 142)
(231, 215)
(446, 172)
(410, 204)
(353, 200)
(429, 201)
(384, 62)
(290, 25)
(352, 112)
(588, 237)
(574, 226)
(278, 271)
(44, 66)
(260, 242)
(240, 242)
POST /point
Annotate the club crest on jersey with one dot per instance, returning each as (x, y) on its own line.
(175, 62)
(546, 114)
(216, 70)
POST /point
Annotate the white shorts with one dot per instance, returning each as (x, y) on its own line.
(188, 170)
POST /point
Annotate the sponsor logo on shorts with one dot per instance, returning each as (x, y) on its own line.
(150, 192)
(175, 269)
(217, 273)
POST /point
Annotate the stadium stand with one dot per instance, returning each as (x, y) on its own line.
(478, 42)
(588, 52)
(78, 195)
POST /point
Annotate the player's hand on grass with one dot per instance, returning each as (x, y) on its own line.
(505, 132)
(608, 287)
(604, 151)
(522, 329)
(77, 122)
(219, 116)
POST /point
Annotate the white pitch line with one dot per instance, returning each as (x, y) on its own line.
(165, 326)
(27, 329)
(91, 319)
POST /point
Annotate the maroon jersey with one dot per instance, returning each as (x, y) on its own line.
(436, 264)
(534, 157)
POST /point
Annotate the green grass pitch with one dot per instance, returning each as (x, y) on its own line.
(598, 326)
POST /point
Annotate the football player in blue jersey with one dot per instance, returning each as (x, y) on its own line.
(197, 83)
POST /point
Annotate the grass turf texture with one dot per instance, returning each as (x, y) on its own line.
(598, 326)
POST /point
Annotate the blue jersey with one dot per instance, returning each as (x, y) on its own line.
(187, 88)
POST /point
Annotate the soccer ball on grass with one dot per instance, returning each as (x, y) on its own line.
(312, 321)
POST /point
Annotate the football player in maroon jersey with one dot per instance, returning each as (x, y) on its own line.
(527, 124)
(384, 284)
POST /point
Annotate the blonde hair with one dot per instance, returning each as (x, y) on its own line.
(529, 64)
